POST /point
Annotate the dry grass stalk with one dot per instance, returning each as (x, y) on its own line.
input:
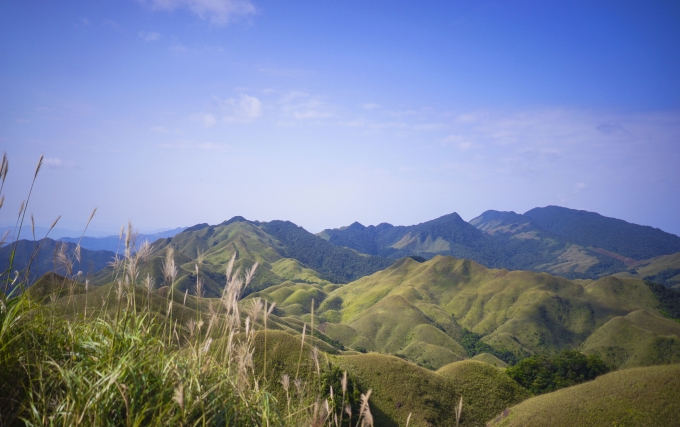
(459, 410)
(365, 416)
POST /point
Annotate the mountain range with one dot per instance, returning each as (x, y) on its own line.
(447, 295)
(569, 243)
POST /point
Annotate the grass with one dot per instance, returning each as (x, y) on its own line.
(632, 397)
(486, 390)
(637, 339)
(523, 312)
(490, 359)
(130, 354)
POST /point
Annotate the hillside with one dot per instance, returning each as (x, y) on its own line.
(421, 311)
(631, 397)
(400, 388)
(664, 269)
(566, 242)
(448, 234)
(282, 250)
(614, 235)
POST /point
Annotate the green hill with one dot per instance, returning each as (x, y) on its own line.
(631, 397)
(413, 309)
(282, 250)
(664, 269)
(418, 311)
(486, 390)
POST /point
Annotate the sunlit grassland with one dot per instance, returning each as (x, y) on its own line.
(631, 397)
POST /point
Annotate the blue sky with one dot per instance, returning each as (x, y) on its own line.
(174, 112)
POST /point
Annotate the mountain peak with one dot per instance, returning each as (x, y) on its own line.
(356, 225)
(237, 218)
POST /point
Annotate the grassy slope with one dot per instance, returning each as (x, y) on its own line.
(399, 387)
(217, 244)
(490, 359)
(632, 397)
(429, 394)
(486, 390)
(422, 306)
(636, 339)
(667, 266)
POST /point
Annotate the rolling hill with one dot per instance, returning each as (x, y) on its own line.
(631, 397)
(402, 390)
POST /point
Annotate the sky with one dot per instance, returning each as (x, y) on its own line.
(170, 113)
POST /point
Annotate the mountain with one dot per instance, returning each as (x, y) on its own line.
(574, 244)
(614, 235)
(42, 257)
(283, 250)
(433, 312)
(40, 232)
(114, 243)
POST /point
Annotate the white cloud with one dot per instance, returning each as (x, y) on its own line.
(22, 121)
(149, 36)
(57, 163)
(219, 12)
(303, 106)
(244, 109)
(159, 129)
(193, 145)
(578, 187)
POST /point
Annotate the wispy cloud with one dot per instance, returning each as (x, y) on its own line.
(245, 108)
(149, 36)
(370, 106)
(303, 106)
(219, 12)
(195, 145)
(57, 163)
(22, 121)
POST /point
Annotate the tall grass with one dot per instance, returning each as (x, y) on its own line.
(135, 360)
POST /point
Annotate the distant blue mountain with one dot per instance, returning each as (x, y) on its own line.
(114, 244)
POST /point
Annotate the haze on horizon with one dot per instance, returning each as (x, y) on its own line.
(176, 112)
